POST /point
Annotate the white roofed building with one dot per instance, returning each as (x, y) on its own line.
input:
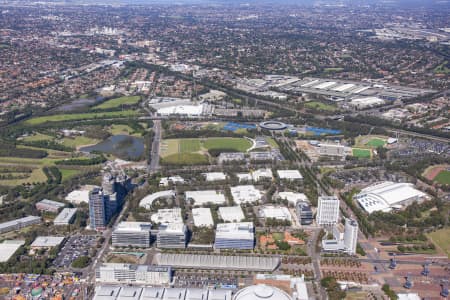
(215, 176)
(47, 242)
(262, 174)
(65, 217)
(275, 212)
(245, 194)
(147, 201)
(292, 197)
(202, 217)
(231, 213)
(290, 174)
(167, 215)
(205, 197)
(165, 181)
(235, 236)
(388, 195)
(8, 248)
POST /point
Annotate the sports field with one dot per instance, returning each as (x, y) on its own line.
(375, 143)
(82, 116)
(443, 177)
(441, 238)
(195, 151)
(117, 102)
(185, 159)
(361, 153)
(320, 106)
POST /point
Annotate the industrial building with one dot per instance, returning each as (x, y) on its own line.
(230, 157)
(327, 210)
(134, 234)
(172, 235)
(19, 223)
(388, 195)
(8, 248)
(292, 197)
(104, 292)
(138, 274)
(147, 201)
(167, 215)
(245, 194)
(231, 213)
(289, 175)
(262, 174)
(280, 213)
(235, 236)
(215, 176)
(202, 217)
(343, 242)
(366, 102)
(65, 217)
(219, 262)
(205, 197)
(47, 242)
(326, 149)
(165, 181)
(304, 213)
(49, 205)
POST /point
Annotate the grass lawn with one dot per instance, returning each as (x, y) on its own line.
(123, 129)
(82, 116)
(443, 177)
(169, 147)
(78, 141)
(375, 143)
(238, 144)
(320, 106)
(68, 173)
(442, 69)
(189, 145)
(185, 159)
(330, 70)
(361, 153)
(278, 236)
(37, 175)
(117, 102)
(37, 137)
(441, 238)
(272, 142)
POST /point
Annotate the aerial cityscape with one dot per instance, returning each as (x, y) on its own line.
(224, 150)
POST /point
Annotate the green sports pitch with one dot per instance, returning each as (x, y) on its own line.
(361, 153)
(443, 177)
(375, 143)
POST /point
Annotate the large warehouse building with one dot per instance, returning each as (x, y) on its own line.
(388, 195)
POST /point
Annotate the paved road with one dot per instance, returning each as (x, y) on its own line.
(154, 154)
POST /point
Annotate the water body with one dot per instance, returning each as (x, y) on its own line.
(123, 146)
(79, 103)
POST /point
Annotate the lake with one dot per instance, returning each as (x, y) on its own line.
(123, 146)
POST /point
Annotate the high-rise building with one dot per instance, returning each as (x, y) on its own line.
(172, 235)
(105, 202)
(135, 234)
(350, 236)
(98, 209)
(327, 210)
(126, 273)
(304, 213)
(235, 236)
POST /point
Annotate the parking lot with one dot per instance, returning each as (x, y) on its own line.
(203, 280)
(76, 246)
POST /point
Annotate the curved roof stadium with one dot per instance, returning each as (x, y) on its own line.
(147, 201)
(387, 195)
(204, 261)
(261, 292)
(273, 125)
